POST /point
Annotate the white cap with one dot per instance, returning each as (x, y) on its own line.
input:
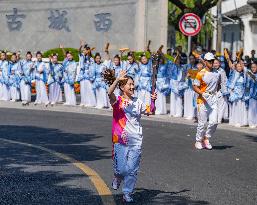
(209, 56)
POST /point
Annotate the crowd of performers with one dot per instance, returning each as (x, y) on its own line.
(237, 96)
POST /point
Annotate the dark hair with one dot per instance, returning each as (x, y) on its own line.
(29, 53)
(55, 54)
(109, 77)
(38, 53)
(142, 55)
(87, 47)
(14, 54)
(3, 52)
(117, 56)
(97, 55)
(254, 62)
(131, 54)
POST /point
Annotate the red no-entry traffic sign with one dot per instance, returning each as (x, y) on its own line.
(190, 24)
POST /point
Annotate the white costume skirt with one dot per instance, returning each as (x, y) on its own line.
(145, 96)
(55, 93)
(6, 93)
(189, 104)
(101, 98)
(160, 104)
(15, 93)
(1, 91)
(25, 91)
(252, 113)
(87, 93)
(176, 105)
(69, 93)
(238, 114)
(41, 92)
(222, 108)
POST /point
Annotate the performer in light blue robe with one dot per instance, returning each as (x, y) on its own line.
(252, 85)
(190, 94)
(4, 79)
(132, 68)
(115, 65)
(222, 93)
(100, 86)
(162, 87)
(237, 84)
(14, 78)
(145, 80)
(69, 77)
(55, 80)
(86, 78)
(26, 73)
(178, 85)
(41, 74)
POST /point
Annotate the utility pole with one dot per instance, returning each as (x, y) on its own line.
(219, 26)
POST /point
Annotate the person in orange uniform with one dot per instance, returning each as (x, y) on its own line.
(206, 85)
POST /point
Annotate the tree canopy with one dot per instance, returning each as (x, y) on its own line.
(177, 8)
(198, 7)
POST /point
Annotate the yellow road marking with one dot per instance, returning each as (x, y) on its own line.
(102, 189)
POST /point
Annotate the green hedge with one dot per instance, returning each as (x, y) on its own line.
(61, 57)
(76, 58)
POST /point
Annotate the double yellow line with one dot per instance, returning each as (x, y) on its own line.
(102, 189)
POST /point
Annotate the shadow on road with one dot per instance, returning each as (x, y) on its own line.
(252, 138)
(222, 147)
(74, 145)
(32, 176)
(152, 197)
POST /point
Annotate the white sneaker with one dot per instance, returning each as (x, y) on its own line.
(199, 145)
(127, 198)
(207, 144)
(116, 183)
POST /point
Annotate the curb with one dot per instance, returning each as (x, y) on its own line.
(108, 112)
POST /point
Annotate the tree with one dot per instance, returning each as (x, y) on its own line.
(198, 7)
(177, 8)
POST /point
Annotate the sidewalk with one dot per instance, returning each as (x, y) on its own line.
(108, 112)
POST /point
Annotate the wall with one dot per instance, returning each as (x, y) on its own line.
(44, 24)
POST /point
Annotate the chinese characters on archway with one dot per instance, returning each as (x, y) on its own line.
(58, 20)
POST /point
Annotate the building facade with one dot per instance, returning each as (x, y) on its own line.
(44, 24)
(239, 25)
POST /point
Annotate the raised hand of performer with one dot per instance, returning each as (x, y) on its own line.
(63, 51)
(106, 50)
(81, 44)
(122, 77)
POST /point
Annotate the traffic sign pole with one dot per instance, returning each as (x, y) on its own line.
(189, 41)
